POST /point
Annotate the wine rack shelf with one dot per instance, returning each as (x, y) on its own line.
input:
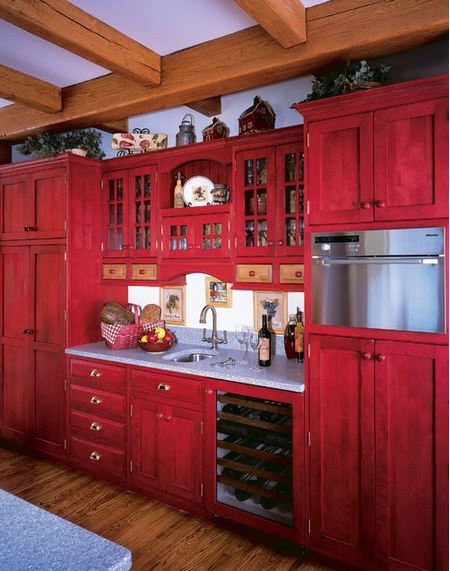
(254, 456)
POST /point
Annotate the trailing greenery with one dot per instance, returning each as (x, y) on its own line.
(353, 76)
(45, 145)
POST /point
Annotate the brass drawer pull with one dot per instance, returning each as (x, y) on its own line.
(95, 426)
(163, 387)
(95, 456)
(95, 373)
(95, 400)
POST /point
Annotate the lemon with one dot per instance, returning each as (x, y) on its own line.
(144, 339)
(160, 332)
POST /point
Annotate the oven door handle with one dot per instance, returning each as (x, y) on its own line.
(432, 261)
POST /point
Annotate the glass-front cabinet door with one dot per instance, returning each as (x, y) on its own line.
(255, 202)
(129, 213)
(290, 200)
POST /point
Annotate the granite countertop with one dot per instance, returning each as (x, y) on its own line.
(283, 374)
(36, 540)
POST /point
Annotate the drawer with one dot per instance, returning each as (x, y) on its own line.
(292, 274)
(98, 456)
(144, 272)
(96, 401)
(98, 428)
(167, 387)
(254, 273)
(114, 271)
(98, 373)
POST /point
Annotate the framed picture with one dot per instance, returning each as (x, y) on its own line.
(274, 304)
(173, 304)
(217, 293)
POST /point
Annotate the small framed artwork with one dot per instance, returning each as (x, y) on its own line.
(173, 304)
(217, 293)
(274, 304)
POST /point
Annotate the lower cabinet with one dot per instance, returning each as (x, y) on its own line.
(166, 434)
(379, 452)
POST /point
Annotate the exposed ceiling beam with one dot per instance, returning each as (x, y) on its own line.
(118, 126)
(63, 24)
(284, 20)
(18, 86)
(337, 31)
(209, 107)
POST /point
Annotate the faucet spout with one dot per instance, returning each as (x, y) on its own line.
(214, 339)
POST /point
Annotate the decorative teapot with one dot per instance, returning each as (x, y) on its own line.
(186, 134)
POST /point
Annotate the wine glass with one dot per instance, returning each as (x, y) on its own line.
(241, 333)
(254, 344)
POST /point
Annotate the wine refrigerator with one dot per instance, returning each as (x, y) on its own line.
(254, 455)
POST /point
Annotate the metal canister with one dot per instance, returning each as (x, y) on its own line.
(186, 134)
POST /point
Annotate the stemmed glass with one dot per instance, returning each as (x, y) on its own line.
(241, 332)
(254, 344)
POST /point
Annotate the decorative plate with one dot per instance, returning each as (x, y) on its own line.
(197, 191)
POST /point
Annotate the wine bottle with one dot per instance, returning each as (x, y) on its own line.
(289, 338)
(265, 344)
(178, 200)
(299, 337)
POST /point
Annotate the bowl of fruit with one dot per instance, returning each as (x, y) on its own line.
(156, 341)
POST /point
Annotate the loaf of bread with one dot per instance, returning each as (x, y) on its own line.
(115, 314)
(150, 313)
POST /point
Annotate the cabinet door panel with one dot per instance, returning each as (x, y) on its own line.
(146, 443)
(411, 161)
(115, 214)
(48, 369)
(142, 212)
(16, 206)
(182, 454)
(16, 394)
(49, 204)
(340, 170)
(412, 409)
(342, 447)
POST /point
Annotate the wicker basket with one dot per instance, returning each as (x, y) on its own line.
(126, 336)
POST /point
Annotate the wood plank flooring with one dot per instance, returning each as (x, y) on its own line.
(160, 537)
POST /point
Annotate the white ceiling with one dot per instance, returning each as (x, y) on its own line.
(165, 26)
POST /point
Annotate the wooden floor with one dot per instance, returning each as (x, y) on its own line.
(159, 537)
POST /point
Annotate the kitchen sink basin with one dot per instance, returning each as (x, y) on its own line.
(192, 357)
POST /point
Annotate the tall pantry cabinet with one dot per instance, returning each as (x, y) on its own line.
(49, 292)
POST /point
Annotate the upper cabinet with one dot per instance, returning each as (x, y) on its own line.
(129, 212)
(32, 204)
(379, 155)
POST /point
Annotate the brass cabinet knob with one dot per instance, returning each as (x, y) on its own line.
(95, 400)
(163, 387)
(95, 426)
(95, 373)
(95, 456)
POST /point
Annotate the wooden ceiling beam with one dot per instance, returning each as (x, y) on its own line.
(244, 60)
(18, 86)
(209, 107)
(284, 20)
(118, 126)
(63, 24)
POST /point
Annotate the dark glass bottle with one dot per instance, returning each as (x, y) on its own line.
(289, 338)
(265, 344)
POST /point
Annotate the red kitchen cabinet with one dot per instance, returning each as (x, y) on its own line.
(197, 236)
(33, 301)
(166, 435)
(378, 155)
(342, 449)
(129, 213)
(379, 452)
(32, 204)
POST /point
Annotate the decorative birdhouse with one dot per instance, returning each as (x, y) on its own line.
(217, 130)
(259, 117)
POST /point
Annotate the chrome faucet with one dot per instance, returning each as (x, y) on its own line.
(214, 340)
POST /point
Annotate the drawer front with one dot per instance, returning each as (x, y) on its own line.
(254, 273)
(96, 401)
(114, 271)
(144, 272)
(292, 273)
(98, 373)
(167, 387)
(98, 456)
(98, 428)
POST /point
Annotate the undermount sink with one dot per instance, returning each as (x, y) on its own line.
(192, 357)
